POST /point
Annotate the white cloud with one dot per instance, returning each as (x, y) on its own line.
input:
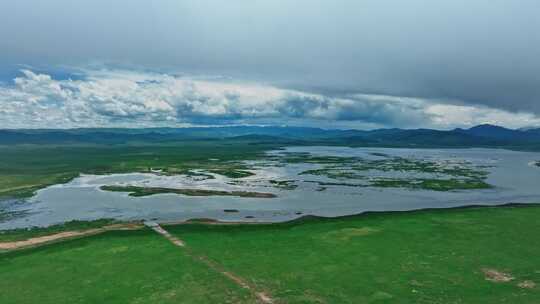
(121, 98)
(447, 115)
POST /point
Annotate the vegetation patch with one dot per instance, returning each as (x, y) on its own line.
(284, 184)
(147, 191)
(305, 157)
(325, 184)
(189, 173)
(340, 174)
(378, 154)
(232, 173)
(431, 184)
(445, 175)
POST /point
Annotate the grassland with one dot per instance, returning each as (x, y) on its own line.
(472, 255)
(27, 168)
(115, 267)
(417, 257)
(147, 191)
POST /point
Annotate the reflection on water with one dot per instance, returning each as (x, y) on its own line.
(515, 180)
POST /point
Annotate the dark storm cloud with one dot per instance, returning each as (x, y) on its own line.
(457, 51)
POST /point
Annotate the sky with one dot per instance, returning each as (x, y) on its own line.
(332, 64)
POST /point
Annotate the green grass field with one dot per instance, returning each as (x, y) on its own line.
(116, 267)
(413, 257)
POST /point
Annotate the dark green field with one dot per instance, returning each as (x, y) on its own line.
(444, 256)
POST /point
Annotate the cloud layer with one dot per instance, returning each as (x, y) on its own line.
(475, 52)
(126, 98)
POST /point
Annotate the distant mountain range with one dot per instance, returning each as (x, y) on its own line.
(478, 136)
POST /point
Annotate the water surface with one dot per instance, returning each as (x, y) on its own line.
(514, 179)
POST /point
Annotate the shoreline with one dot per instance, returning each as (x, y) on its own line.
(301, 218)
(68, 234)
(307, 217)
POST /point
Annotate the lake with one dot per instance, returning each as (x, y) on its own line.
(323, 181)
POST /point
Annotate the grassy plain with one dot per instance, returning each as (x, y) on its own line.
(115, 267)
(471, 255)
(413, 257)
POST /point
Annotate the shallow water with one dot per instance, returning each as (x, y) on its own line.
(515, 181)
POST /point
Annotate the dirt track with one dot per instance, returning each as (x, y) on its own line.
(64, 235)
(261, 296)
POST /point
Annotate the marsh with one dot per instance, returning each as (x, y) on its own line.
(324, 181)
